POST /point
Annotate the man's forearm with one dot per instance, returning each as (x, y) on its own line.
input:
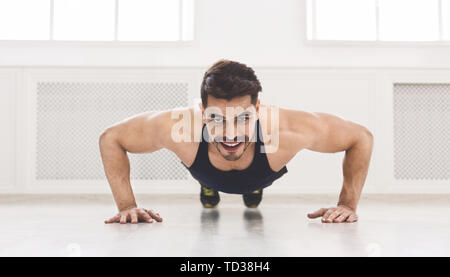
(117, 170)
(355, 167)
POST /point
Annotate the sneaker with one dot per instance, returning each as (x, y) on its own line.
(209, 197)
(253, 199)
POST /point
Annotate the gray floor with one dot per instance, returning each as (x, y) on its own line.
(73, 226)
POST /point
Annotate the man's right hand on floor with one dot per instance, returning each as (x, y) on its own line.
(135, 215)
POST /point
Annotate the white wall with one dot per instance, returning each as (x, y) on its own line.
(257, 32)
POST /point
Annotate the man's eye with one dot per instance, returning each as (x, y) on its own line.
(243, 118)
(217, 120)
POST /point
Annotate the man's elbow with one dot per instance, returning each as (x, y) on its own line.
(363, 138)
(106, 134)
(108, 137)
(367, 138)
(368, 133)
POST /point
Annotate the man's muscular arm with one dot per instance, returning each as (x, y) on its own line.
(327, 133)
(143, 133)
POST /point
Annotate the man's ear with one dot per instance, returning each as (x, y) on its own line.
(257, 108)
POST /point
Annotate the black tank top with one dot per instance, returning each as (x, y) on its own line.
(257, 176)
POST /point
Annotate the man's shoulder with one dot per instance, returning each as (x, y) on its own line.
(283, 120)
(181, 126)
(181, 115)
(287, 125)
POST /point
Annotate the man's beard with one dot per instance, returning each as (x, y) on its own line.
(232, 157)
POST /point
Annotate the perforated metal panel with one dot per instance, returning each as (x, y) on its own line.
(422, 131)
(72, 115)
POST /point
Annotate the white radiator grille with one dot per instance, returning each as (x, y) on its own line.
(72, 115)
(422, 131)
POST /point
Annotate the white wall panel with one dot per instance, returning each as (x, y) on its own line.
(8, 91)
(385, 134)
(421, 131)
(68, 110)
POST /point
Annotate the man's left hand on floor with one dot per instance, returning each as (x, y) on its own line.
(338, 214)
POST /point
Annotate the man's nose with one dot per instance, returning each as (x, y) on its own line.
(230, 131)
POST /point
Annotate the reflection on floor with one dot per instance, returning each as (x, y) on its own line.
(73, 226)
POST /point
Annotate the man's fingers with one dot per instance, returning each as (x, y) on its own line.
(317, 213)
(334, 215)
(342, 217)
(112, 219)
(123, 219)
(326, 216)
(134, 217)
(145, 216)
(155, 215)
(352, 218)
(337, 215)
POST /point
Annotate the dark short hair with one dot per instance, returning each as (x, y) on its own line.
(228, 79)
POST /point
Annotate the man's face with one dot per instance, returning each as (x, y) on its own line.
(231, 124)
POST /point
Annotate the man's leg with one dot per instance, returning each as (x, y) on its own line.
(208, 197)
